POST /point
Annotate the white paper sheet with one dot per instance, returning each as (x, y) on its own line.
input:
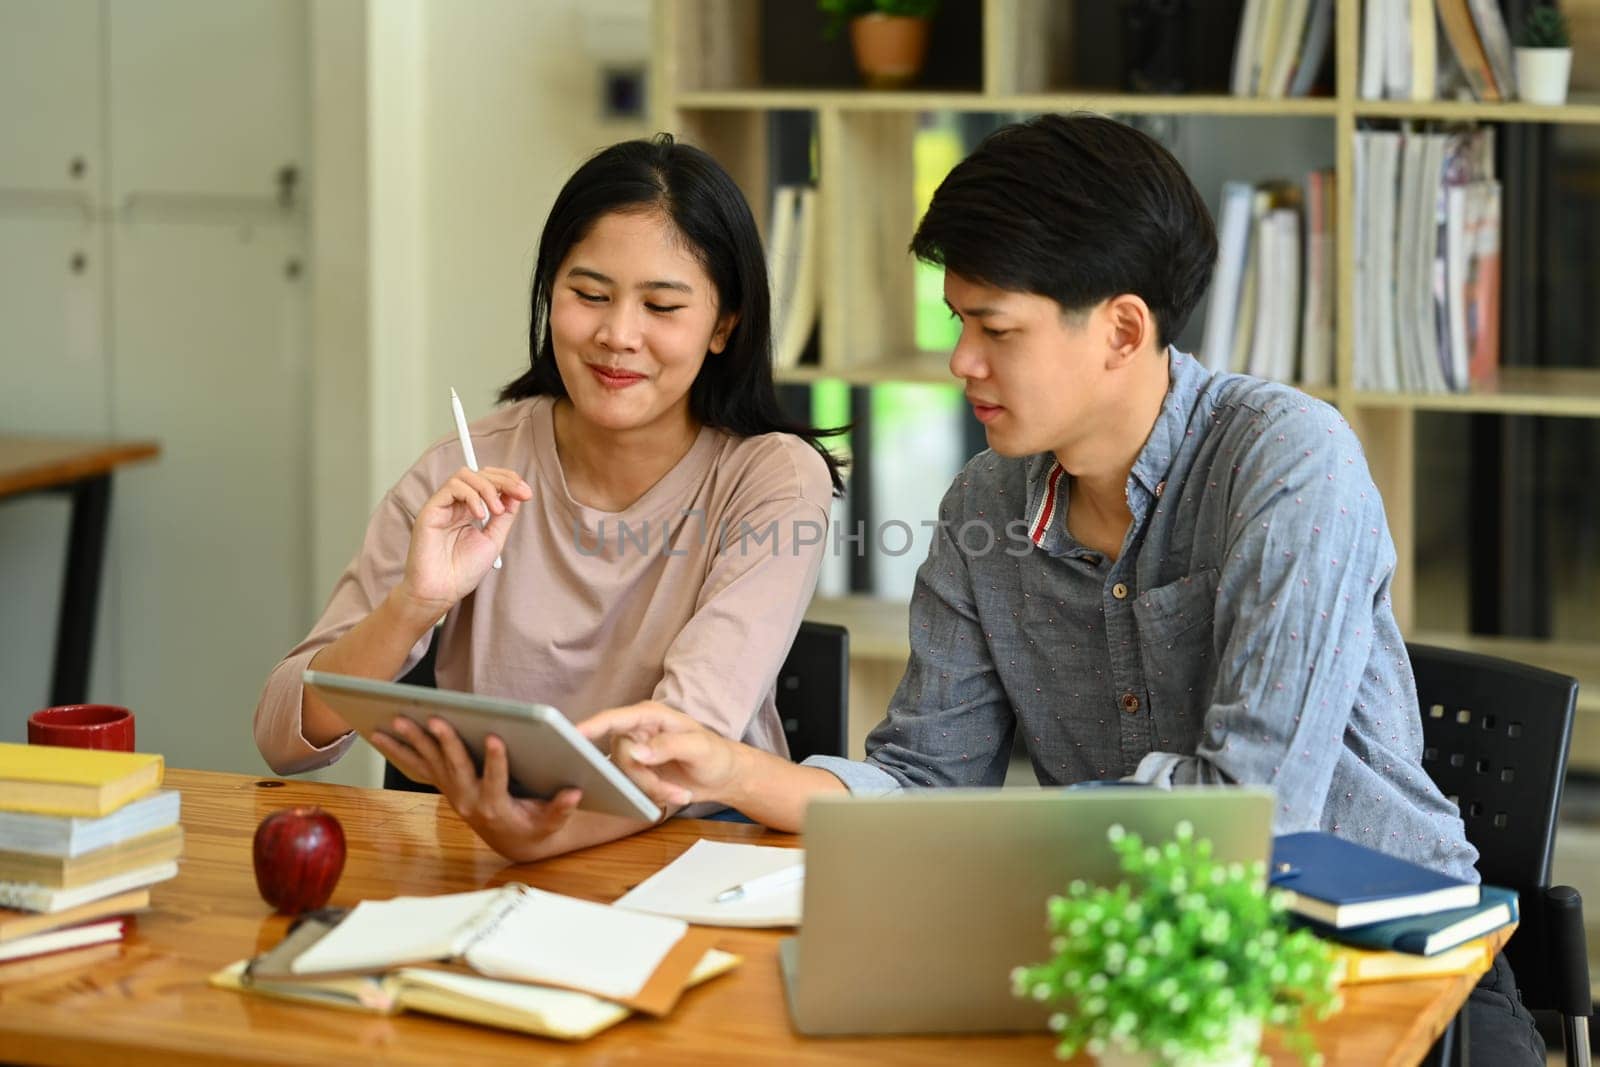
(687, 887)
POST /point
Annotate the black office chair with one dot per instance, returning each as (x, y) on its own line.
(813, 697)
(1495, 740)
(421, 674)
(813, 694)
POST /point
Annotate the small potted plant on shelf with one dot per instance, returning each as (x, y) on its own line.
(1181, 965)
(1544, 56)
(890, 37)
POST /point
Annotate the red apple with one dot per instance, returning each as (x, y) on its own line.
(299, 854)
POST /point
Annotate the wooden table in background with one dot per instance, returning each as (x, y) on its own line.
(147, 1001)
(82, 470)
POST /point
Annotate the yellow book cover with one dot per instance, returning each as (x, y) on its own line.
(1357, 966)
(51, 780)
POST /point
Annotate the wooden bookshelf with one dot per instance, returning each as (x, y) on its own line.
(1576, 111)
(1567, 391)
(708, 86)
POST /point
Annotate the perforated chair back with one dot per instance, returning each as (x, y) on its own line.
(421, 674)
(1496, 736)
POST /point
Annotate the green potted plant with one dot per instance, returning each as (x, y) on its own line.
(1181, 965)
(1544, 56)
(889, 37)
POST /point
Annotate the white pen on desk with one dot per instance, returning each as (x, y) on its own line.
(764, 884)
(466, 447)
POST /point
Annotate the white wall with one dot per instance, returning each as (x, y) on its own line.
(473, 118)
(511, 109)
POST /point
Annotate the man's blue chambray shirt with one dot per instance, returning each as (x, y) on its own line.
(1244, 635)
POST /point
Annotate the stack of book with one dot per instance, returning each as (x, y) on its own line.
(1392, 918)
(1283, 48)
(1427, 277)
(1402, 58)
(793, 271)
(83, 835)
(1272, 300)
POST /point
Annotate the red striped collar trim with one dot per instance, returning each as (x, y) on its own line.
(1047, 508)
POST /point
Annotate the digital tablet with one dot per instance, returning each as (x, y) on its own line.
(545, 753)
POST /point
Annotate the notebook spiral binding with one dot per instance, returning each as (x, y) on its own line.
(484, 926)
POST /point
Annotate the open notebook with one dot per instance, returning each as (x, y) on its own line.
(511, 932)
(531, 1009)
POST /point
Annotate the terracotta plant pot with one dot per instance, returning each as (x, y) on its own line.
(889, 49)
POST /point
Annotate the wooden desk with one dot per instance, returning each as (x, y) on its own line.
(82, 469)
(148, 1002)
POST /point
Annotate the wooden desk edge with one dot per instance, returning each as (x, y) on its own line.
(91, 460)
(1427, 1027)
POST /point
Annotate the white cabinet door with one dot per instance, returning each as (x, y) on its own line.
(50, 92)
(210, 543)
(207, 99)
(55, 381)
(52, 342)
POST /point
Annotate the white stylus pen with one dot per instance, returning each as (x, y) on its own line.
(766, 883)
(466, 447)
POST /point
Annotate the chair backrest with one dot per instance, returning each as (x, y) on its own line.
(421, 674)
(1495, 740)
(813, 696)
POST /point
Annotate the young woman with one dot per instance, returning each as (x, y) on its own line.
(661, 522)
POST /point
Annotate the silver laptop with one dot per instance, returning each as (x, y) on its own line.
(919, 904)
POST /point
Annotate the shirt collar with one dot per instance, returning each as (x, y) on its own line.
(1047, 482)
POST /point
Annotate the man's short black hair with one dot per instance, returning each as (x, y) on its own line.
(1079, 208)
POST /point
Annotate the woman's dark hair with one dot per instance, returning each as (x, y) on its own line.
(734, 390)
(1079, 208)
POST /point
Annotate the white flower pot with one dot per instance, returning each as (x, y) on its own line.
(1244, 1041)
(1542, 74)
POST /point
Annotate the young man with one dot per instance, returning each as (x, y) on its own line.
(1154, 573)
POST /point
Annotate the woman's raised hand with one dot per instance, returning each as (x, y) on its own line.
(450, 553)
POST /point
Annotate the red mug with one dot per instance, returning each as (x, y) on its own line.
(83, 726)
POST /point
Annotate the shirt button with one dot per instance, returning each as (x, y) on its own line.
(1130, 703)
(1161, 487)
(1119, 591)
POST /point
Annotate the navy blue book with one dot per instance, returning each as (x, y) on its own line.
(1428, 935)
(1340, 884)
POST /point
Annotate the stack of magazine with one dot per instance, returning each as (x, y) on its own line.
(1272, 298)
(1427, 275)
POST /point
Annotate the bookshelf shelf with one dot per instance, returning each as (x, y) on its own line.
(1030, 103)
(1578, 112)
(879, 629)
(1565, 391)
